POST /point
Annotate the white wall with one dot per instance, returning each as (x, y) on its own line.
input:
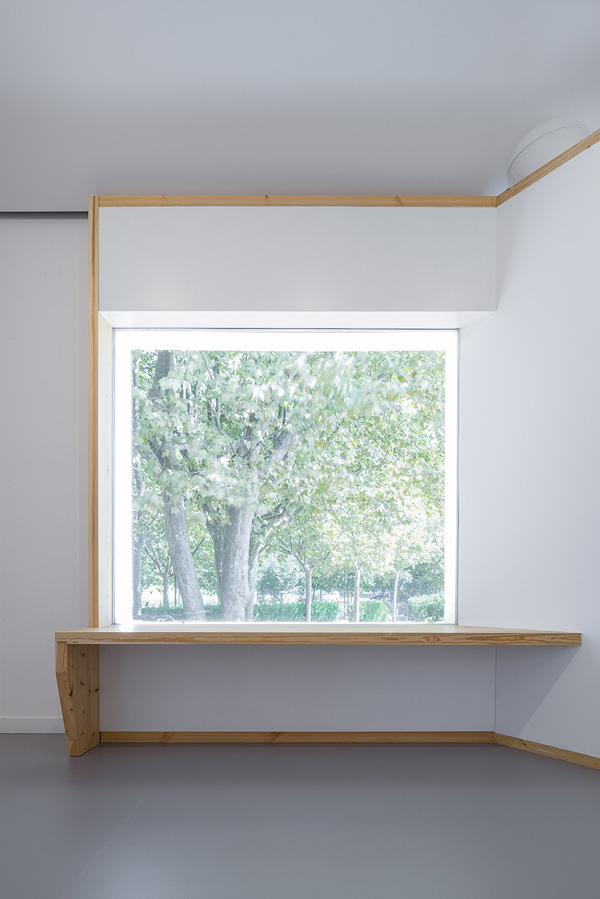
(304, 264)
(297, 259)
(530, 457)
(529, 529)
(43, 291)
(43, 458)
(275, 688)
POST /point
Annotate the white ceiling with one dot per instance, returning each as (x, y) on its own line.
(315, 96)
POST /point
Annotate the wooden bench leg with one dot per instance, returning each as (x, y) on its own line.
(79, 691)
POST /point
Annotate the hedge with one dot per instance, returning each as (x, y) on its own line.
(295, 611)
(152, 613)
(372, 610)
(420, 609)
(426, 608)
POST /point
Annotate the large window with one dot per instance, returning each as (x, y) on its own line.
(285, 476)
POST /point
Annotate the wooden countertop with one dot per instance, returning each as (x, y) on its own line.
(219, 632)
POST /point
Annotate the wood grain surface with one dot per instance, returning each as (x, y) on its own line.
(77, 676)
(340, 634)
(93, 536)
(554, 752)
(298, 200)
(297, 737)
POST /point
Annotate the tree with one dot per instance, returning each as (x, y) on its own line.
(156, 551)
(355, 534)
(394, 483)
(416, 537)
(248, 439)
(155, 443)
(303, 539)
(278, 574)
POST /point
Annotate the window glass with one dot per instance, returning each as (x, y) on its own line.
(285, 476)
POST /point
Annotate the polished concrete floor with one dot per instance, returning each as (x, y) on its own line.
(242, 822)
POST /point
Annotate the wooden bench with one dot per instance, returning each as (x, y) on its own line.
(77, 657)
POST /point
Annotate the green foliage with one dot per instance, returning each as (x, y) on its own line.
(426, 577)
(339, 456)
(204, 564)
(426, 608)
(213, 612)
(321, 610)
(276, 576)
(295, 611)
(154, 613)
(372, 610)
(279, 611)
(215, 424)
(421, 608)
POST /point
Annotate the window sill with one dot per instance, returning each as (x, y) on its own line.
(329, 634)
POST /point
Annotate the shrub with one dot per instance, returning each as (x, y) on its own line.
(295, 611)
(279, 611)
(153, 613)
(213, 613)
(372, 610)
(425, 579)
(264, 611)
(321, 610)
(426, 608)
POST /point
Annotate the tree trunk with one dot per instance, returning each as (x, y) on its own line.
(166, 579)
(308, 576)
(232, 559)
(182, 559)
(357, 573)
(178, 539)
(402, 608)
(252, 569)
(138, 548)
(395, 595)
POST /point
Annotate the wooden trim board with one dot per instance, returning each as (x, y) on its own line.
(320, 737)
(297, 200)
(340, 634)
(93, 534)
(554, 752)
(323, 737)
(297, 737)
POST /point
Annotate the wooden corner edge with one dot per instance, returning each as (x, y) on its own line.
(554, 752)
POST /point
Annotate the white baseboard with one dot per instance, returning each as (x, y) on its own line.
(31, 726)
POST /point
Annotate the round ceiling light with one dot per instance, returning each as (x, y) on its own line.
(542, 144)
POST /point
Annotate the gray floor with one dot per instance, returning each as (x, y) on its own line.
(226, 822)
